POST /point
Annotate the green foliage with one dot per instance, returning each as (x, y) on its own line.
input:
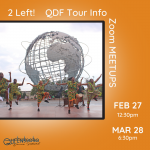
(63, 81)
(23, 95)
(64, 93)
(53, 93)
(33, 91)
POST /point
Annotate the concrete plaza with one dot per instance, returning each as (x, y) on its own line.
(28, 109)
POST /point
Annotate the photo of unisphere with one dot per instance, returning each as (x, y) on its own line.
(51, 70)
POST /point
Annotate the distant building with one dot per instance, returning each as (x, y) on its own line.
(28, 94)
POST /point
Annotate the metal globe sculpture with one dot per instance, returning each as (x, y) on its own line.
(54, 54)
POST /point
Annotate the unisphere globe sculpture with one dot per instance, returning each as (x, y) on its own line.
(54, 54)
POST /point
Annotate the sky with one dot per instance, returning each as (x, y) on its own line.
(12, 52)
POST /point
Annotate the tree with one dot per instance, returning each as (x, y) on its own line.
(19, 89)
(63, 80)
(34, 90)
(53, 93)
(23, 95)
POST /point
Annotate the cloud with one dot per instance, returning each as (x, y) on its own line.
(3, 27)
(86, 27)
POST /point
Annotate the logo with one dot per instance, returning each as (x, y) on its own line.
(21, 141)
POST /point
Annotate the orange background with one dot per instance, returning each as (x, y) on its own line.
(132, 31)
